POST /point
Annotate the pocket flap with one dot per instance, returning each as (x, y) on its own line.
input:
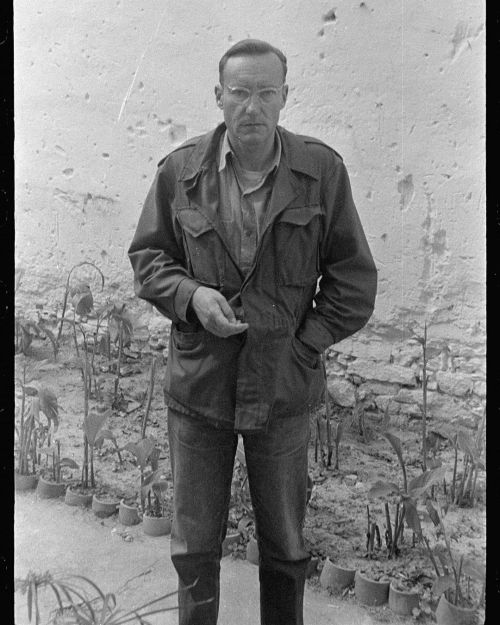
(301, 215)
(193, 222)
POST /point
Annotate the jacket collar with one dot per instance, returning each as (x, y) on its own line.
(294, 153)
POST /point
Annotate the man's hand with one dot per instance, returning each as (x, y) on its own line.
(215, 314)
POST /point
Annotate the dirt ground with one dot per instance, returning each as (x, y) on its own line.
(336, 521)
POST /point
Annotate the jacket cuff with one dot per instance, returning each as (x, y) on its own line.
(182, 298)
(314, 334)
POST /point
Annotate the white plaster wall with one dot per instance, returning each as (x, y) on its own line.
(104, 88)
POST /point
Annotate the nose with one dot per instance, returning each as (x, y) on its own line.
(253, 103)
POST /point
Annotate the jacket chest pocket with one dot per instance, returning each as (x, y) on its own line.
(203, 248)
(297, 233)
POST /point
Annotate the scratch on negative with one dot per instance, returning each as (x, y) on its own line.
(131, 86)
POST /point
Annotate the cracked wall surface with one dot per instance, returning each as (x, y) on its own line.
(104, 89)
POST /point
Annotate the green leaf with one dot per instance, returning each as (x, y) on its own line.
(68, 462)
(432, 513)
(381, 489)
(149, 482)
(420, 484)
(443, 583)
(396, 445)
(82, 300)
(48, 405)
(93, 423)
(411, 516)
(466, 444)
(105, 434)
(108, 434)
(142, 450)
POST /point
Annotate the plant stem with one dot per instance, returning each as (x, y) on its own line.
(327, 413)
(424, 398)
(396, 532)
(150, 397)
(454, 479)
(74, 335)
(118, 363)
(92, 480)
(368, 527)
(389, 526)
(431, 556)
(460, 493)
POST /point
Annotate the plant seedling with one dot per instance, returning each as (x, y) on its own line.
(406, 509)
(55, 465)
(145, 452)
(455, 568)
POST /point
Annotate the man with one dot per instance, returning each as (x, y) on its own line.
(236, 230)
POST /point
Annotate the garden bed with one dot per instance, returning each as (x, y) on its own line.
(336, 521)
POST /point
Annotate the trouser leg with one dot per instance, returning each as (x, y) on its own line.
(202, 458)
(277, 471)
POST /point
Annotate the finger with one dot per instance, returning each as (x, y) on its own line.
(227, 311)
(238, 328)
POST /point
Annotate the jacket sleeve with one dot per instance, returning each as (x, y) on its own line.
(346, 295)
(157, 254)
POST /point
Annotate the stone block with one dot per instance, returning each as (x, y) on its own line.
(454, 383)
(411, 410)
(372, 370)
(377, 388)
(342, 391)
(408, 396)
(406, 356)
(387, 401)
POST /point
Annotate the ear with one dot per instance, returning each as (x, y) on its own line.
(284, 95)
(218, 96)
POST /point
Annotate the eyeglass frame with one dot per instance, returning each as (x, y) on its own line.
(275, 91)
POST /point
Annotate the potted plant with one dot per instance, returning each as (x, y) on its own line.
(29, 431)
(403, 600)
(336, 578)
(156, 521)
(51, 483)
(461, 583)
(146, 454)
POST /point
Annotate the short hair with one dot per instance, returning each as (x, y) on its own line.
(251, 47)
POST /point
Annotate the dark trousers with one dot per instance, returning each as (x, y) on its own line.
(202, 457)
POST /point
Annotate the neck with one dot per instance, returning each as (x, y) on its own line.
(253, 158)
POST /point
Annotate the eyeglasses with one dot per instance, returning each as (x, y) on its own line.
(265, 95)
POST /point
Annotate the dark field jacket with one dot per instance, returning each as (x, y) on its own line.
(312, 231)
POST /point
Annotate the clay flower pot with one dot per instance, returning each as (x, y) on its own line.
(232, 538)
(253, 551)
(128, 515)
(336, 578)
(156, 525)
(449, 614)
(104, 507)
(403, 601)
(73, 498)
(50, 490)
(25, 482)
(370, 592)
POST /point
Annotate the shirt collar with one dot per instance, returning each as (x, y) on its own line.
(225, 149)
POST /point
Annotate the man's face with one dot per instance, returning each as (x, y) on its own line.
(252, 122)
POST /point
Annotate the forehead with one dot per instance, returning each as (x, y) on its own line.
(262, 69)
